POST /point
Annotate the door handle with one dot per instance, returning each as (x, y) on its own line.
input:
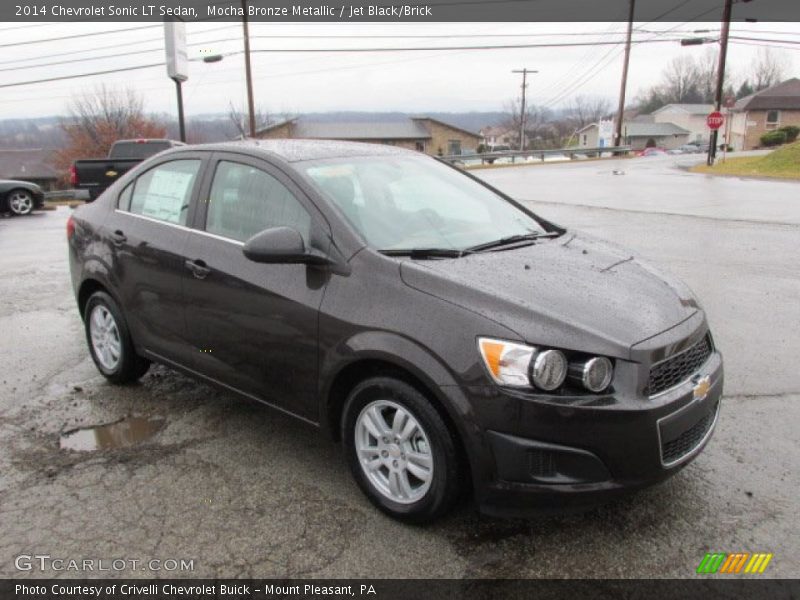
(118, 238)
(198, 268)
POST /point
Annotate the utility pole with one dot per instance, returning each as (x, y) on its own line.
(723, 51)
(248, 72)
(624, 84)
(522, 109)
(181, 119)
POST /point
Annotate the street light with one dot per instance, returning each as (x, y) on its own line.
(697, 41)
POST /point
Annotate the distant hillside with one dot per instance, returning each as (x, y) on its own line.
(44, 132)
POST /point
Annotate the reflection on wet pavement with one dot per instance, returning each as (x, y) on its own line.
(126, 432)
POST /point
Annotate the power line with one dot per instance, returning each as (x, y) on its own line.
(346, 50)
(77, 35)
(484, 47)
(122, 45)
(752, 39)
(106, 56)
(768, 45)
(78, 76)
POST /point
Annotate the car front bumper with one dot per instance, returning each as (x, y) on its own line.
(567, 457)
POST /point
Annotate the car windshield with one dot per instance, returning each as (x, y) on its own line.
(410, 202)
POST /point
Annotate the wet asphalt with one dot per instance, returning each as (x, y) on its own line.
(245, 491)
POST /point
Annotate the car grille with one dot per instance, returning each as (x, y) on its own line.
(674, 450)
(670, 372)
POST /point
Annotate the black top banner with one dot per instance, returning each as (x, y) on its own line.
(385, 11)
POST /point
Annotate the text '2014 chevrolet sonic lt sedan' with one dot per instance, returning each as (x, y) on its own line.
(450, 338)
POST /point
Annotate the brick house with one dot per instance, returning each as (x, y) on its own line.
(764, 111)
(417, 133)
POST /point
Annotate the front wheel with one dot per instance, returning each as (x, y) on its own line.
(400, 451)
(20, 202)
(109, 341)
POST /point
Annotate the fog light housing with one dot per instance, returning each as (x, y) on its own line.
(548, 369)
(596, 374)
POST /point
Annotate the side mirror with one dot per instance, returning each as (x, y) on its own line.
(282, 245)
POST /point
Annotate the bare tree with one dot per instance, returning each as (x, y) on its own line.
(767, 69)
(681, 80)
(99, 119)
(512, 120)
(588, 109)
(239, 119)
(707, 74)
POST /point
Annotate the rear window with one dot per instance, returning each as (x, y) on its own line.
(138, 149)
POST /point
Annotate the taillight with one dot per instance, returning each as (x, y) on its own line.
(73, 176)
(70, 227)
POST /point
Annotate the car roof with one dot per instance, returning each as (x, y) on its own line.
(299, 150)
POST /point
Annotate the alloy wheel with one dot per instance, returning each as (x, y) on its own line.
(394, 451)
(105, 337)
(20, 203)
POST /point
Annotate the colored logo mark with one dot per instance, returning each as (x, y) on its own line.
(736, 562)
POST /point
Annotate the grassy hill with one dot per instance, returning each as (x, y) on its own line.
(783, 163)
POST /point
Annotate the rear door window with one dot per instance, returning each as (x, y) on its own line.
(164, 192)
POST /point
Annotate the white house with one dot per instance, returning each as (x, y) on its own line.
(691, 117)
(639, 135)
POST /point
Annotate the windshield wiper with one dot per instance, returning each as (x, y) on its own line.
(511, 239)
(423, 253)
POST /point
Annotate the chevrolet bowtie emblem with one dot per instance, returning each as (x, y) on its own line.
(701, 388)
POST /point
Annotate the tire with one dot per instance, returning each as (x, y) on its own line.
(110, 342)
(20, 202)
(401, 486)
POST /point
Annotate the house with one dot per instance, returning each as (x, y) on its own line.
(501, 136)
(423, 134)
(691, 117)
(32, 164)
(764, 111)
(639, 134)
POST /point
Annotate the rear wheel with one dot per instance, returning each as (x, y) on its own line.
(20, 202)
(400, 451)
(109, 341)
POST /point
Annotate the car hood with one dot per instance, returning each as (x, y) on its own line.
(573, 292)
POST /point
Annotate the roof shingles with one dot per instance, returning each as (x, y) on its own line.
(782, 96)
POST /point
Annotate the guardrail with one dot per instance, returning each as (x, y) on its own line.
(491, 157)
(67, 195)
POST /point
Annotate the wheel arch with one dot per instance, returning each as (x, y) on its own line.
(452, 407)
(89, 286)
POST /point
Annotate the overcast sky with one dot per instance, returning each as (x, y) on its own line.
(386, 81)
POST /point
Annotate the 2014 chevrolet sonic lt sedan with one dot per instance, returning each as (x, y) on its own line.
(450, 338)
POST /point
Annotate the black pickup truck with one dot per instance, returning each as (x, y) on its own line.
(96, 174)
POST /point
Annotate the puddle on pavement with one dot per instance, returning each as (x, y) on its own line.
(120, 434)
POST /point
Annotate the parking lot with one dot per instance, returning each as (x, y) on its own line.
(245, 491)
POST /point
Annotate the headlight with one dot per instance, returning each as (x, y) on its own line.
(508, 363)
(520, 365)
(549, 369)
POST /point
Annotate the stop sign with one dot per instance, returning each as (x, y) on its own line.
(715, 120)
